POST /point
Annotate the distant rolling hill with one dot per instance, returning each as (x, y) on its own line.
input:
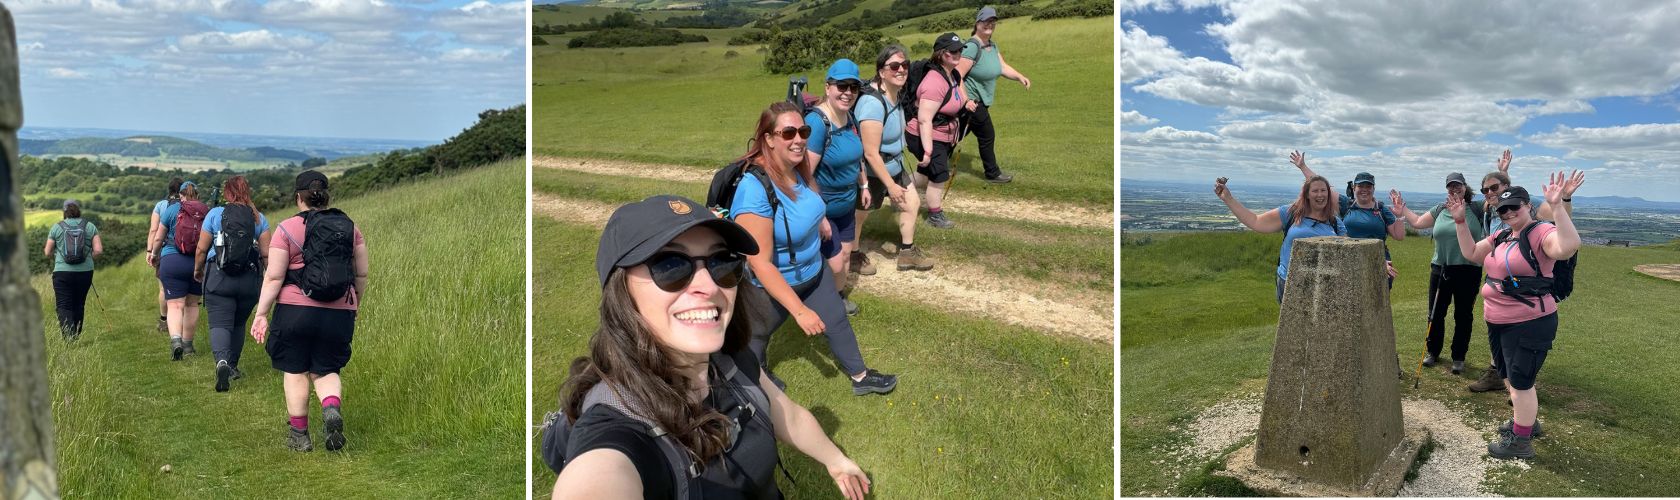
(156, 147)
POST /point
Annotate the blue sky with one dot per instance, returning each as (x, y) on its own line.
(391, 69)
(1409, 91)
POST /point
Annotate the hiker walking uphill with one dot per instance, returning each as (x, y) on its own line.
(772, 198)
(670, 402)
(1520, 297)
(981, 66)
(316, 277)
(229, 263)
(73, 244)
(932, 98)
(175, 247)
(1364, 216)
(1313, 213)
(154, 231)
(1453, 278)
(837, 154)
(881, 125)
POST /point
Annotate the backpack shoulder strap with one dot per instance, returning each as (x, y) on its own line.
(681, 462)
(1528, 250)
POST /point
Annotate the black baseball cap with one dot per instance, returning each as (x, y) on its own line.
(638, 230)
(1455, 177)
(948, 42)
(307, 176)
(1513, 196)
(1365, 178)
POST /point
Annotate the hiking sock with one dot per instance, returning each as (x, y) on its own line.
(932, 210)
(1522, 430)
(905, 246)
(299, 423)
(330, 401)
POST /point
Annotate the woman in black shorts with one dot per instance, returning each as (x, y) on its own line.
(932, 131)
(315, 303)
(671, 353)
(181, 292)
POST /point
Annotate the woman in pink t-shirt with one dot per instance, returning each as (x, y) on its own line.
(1521, 326)
(932, 133)
(316, 313)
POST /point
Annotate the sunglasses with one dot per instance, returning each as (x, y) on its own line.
(847, 87)
(1506, 209)
(672, 271)
(897, 66)
(1488, 189)
(787, 133)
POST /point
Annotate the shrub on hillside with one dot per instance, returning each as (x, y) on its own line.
(538, 40)
(633, 37)
(498, 134)
(1076, 8)
(798, 50)
(815, 14)
(731, 54)
(964, 21)
(718, 14)
(750, 38)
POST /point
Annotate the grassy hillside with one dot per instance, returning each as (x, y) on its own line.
(983, 410)
(1198, 319)
(433, 396)
(558, 15)
(626, 103)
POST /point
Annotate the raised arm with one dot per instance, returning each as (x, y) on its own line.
(1268, 222)
(1563, 243)
(796, 426)
(1398, 203)
(1473, 250)
(1300, 160)
(1547, 209)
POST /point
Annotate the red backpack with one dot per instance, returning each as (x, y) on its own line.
(187, 224)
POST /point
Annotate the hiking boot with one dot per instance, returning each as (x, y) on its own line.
(1458, 366)
(912, 259)
(223, 373)
(852, 308)
(163, 325)
(1511, 446)
(874, 382)
(861, 264)
(1506, 428)
(1490, 381)
(298, 439)
(187, 347)
(175, 348)
(334, 425)
(1429, 360)
(938, 219)
(1001, 178)
(236, 373)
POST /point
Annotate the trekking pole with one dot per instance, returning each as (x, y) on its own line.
(1428, 324)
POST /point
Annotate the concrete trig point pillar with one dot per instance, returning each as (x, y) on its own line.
(1331, 423)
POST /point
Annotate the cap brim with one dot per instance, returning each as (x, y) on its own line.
(1509, 202)
(734, 237)
(1366, 182)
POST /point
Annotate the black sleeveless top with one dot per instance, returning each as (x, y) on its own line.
(745, 471)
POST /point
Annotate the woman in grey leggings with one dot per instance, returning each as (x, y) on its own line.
(228, 263)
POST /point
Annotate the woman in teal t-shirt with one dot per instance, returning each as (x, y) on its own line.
(1453, 279)
(981, 66)
(73, 243)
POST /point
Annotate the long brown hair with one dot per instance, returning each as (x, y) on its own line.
(236, 190)
(757, 152)
(1298, 208)
(625, 354)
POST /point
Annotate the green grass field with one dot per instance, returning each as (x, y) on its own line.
(982, 410)
(432, 398)
(1198, 319)
(692, 105)
(34, 218)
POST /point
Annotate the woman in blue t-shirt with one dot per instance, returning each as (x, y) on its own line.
(1364, 216)
(232, 283)
(837, 152)
(790, 270)
(174, 265)
(154, 231)
(881, 125)
(1312, 214)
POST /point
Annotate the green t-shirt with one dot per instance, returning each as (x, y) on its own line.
(57, 235)
(981, 80)
(1446, 236)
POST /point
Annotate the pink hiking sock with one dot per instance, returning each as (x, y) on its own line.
(299, 423)
(1522, 430)
(329, 401)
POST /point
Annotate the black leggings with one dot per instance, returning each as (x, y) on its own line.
(980, 124)
(1454, 285)
(820, 295)
(228, 301)
(70, 291)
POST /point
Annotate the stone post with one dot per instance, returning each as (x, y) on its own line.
(1331, 422)
(26, 426)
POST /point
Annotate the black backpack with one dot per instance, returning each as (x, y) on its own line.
(808, 104)
(236, 244)
(76, 242)
(907, 95)
(1559, 284)
(328, 255)
(557, 426)
(721, 194)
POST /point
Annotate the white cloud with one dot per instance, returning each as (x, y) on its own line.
(246, 41)
(66, 73)
(1168, 135)
(1267, 131)
(1143, 55)
(475, 55)
(1130, 117)
(1654, 143)
(484, 22)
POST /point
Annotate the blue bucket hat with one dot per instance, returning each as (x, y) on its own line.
(843, 70)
